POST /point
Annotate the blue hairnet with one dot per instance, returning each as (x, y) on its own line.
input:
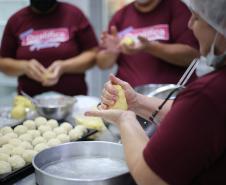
(212, 11)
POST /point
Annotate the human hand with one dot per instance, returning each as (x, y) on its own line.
(111, 41)
(34, 70)
(143, 46)
(53, 73)
(114, 116)
(110, 94)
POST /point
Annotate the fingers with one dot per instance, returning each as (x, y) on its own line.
(117, 81)
(114, 31)
(94, 113)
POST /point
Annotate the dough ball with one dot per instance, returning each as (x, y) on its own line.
(75, 134)
(18, 112)
(38, 140)
(53, 142)
(4, 157)
(17, 151)
(66, 126)
(26, 145)
(26, 137)
(52, 123)
(49, 135)
(16, 162)
(40, 121)
(63, 138)
(60, 130)
(81, 128)
(41, 146)
(29, 124)
(4, 140)
(34, 133)
(15, 142)
(5, 167)
(12, 135)
(7, 148)
(20, 129)
(28, 155)
(6, 130)
(44, 128)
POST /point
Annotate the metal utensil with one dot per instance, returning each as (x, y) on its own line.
(29, 97)
(82, 163)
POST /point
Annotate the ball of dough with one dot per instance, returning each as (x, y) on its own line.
(44, 128)
(63, 138)
(60, 130)
(17, 151)
(20, 129)
(6, 130)
(34, 133)
(4, 157)
(15, 142)
(16, 162)
(7, 148)
(4, 140)
(12, 135)
(53, 142)
(40, 121)
(38, 140)
(29, 124)
(66, 126)
(26, 137)
(28, 155)
(5, 167)
(75, 134)
(18, 112)
(41, 146)
(26, 145)
(52, 123)
(49, 135)
(81, 128)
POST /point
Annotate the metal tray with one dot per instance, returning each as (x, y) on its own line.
(28, 169)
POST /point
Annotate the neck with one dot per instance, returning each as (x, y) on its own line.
(47, 12)
(147, 7)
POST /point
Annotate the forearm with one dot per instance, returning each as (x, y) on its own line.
(81, 63)
(176, 54)
(145, 106)
(106, 59)
(12, 67)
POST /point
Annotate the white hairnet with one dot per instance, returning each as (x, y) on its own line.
(212, 11)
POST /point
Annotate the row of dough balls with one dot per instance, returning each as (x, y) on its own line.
(25, 141)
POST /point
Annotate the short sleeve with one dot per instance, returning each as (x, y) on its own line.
(187, 141)
(9, 42)
(180, 33)
(86, 35)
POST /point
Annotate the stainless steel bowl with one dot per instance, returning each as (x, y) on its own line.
(157, 90)
(82, 163)
(54, 106)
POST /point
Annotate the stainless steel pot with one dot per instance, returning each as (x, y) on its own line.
(54, 166)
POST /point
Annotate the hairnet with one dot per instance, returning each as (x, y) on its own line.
(212, 11)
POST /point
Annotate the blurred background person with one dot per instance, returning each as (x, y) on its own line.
(53, 44)
(158, 62)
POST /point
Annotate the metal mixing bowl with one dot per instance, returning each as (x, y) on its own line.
(54, 106)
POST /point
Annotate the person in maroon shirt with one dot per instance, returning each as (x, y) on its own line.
(159, 62)
(189, 145)
(52, 44)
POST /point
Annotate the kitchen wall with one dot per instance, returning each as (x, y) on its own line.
(98, 11)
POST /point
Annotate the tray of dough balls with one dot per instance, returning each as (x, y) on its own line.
(19, 144)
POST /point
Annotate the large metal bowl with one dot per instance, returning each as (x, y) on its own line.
(54, 106)
(81, 163)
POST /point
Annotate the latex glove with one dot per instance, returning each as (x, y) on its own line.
(53, 74)
(35, 70)
(110, 41)
(110, 93)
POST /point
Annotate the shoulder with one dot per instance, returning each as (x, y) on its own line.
(19, 15)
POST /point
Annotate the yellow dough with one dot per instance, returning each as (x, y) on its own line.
(127, 41)
(121, 102)
(90, 122)
(23, 101)
(18, 112)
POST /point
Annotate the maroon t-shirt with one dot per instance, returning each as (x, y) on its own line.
(189, 147)
(60, 35)
(144, 68)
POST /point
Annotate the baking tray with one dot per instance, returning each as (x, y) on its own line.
(14, 176)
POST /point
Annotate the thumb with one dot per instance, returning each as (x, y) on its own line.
(143, 40)
(114, 31)
(95, 113)
(117, 81)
